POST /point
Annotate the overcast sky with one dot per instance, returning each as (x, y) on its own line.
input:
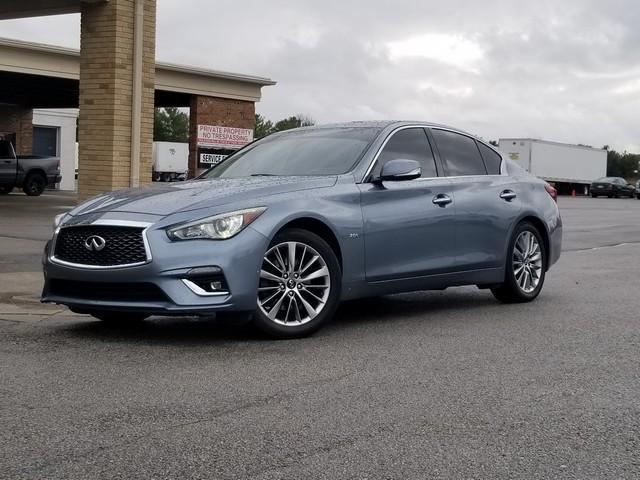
(567, 71)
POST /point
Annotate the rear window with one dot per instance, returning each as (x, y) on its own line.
(459, 154)
(491, 159)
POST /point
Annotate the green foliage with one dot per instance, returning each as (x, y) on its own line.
(625, 164)
(170, 124)
(264, 127)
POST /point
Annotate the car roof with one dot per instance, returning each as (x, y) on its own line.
(382, 124)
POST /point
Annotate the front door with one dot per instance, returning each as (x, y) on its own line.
(407, 234)
(8, 168)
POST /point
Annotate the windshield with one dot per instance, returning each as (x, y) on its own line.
(315, 151)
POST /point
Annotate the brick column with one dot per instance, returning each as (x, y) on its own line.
(18, 120)
(106, 95)
(216, 111)
(24, 133)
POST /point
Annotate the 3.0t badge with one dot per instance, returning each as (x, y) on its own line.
(95, 243)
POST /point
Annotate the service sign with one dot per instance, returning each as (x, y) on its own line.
(215, 136)
(211, 158)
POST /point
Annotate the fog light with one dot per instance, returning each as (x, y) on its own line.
(206, 281)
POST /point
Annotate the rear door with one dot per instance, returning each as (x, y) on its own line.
(487, 202)
(406, 233)
(8, 166)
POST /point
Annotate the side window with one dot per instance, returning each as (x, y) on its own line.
(410, 144)
(491, 159)
(5, 149)
(459, 154)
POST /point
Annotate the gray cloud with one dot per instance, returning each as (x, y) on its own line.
(566, 71)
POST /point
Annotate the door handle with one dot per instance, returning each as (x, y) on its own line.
(508, 195)
(8, 161)
(442, 200)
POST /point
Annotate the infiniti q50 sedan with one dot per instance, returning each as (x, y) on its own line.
(293, 223)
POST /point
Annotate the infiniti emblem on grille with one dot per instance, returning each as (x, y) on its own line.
(95, 243)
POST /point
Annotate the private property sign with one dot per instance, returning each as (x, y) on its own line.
(215, 136)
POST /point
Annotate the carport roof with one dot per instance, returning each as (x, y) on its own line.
(33, 74)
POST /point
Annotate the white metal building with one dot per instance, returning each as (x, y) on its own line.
(54, 134)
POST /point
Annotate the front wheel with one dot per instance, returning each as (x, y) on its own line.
(299, 288)
(525, 266)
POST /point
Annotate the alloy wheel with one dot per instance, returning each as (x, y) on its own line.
(527, 261)
(294, 284)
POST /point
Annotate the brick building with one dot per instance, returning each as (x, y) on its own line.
(116, 83)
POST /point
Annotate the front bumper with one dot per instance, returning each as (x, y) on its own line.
(239, 259)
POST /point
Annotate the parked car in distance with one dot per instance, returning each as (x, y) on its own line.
(295, 222)
(612, 187)
(32, 173)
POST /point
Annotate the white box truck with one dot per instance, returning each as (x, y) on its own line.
(170, 159)
(569, 167)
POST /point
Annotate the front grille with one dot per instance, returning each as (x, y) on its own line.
(122, 245)
(106, 291)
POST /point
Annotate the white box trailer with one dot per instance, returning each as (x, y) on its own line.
(569, 167)
(170, 159)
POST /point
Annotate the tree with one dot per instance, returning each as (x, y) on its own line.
(264, 127)
(623, 164)
(170, 124)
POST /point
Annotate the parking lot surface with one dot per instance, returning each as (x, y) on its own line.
(426, 385)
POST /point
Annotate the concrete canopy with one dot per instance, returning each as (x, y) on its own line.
(38, 8)
(46, 76)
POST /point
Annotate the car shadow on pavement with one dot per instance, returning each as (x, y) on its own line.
(377, 311)
(412, 305)
(164, 330)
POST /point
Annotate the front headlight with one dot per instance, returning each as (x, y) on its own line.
(57, 221)
(219, 227)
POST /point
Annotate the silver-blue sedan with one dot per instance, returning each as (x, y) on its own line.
(294, 223)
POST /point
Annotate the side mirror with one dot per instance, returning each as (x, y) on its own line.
(400, 170)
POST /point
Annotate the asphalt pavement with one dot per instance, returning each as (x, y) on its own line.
(426, 385)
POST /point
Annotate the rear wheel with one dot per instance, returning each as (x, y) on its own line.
(34, 184)
(119, 317)
(300, 282)
(525, 268)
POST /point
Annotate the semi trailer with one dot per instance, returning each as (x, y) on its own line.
(570, 168)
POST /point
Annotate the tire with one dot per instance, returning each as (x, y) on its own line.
(119, 317)
(5, 190)
(34, 184)
(515, 288)
(301, 304)
(638, 196)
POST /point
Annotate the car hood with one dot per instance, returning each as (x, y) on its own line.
(167, 198)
